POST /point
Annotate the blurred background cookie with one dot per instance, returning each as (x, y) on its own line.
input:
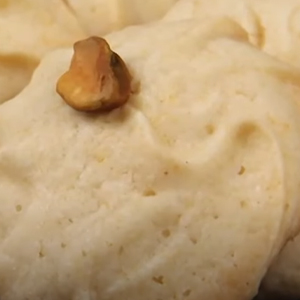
(99, 17)
(273, 25)
(28, 30)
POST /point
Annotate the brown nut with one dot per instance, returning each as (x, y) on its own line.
(97, 80)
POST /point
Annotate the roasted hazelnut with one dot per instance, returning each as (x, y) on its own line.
(97, 80)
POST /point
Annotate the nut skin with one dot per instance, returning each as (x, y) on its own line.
(97, 80)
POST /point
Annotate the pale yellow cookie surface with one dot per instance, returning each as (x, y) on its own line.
(187, 191)
(274, 27)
